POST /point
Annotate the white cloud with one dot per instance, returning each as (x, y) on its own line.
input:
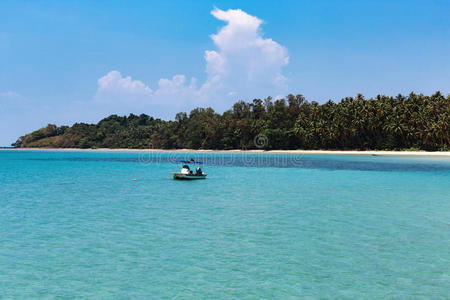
(114, 86)
(11, 101)
(176, 85)
(11, 95)
(245, 62)
(243, 65)
(215, 63)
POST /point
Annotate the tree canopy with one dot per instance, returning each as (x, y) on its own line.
(382, 123)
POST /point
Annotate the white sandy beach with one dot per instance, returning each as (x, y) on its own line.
(335, 152)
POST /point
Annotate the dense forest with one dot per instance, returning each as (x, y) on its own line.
(415, 122)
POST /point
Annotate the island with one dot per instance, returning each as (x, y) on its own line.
(414, 122)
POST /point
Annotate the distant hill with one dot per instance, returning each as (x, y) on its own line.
(384, 123)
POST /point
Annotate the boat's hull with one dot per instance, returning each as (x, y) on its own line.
(188, 176)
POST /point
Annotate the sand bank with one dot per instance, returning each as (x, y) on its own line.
(335, 152)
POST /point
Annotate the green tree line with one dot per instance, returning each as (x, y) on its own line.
(382, 123)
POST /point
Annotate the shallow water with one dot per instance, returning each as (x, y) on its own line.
(75, 224)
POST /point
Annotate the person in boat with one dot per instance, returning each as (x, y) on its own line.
(186, 170)
(199, 171)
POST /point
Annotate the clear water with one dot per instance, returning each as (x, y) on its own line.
(75, 224)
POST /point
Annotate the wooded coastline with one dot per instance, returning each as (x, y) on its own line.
(413, 122)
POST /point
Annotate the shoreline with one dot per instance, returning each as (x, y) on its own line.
(330, 152)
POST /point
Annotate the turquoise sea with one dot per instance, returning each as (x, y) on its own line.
(74, 224)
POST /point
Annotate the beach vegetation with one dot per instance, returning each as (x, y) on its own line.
(415, 121)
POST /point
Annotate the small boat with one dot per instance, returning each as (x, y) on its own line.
(187, 174)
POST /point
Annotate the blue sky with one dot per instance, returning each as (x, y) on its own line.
(68, 61)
